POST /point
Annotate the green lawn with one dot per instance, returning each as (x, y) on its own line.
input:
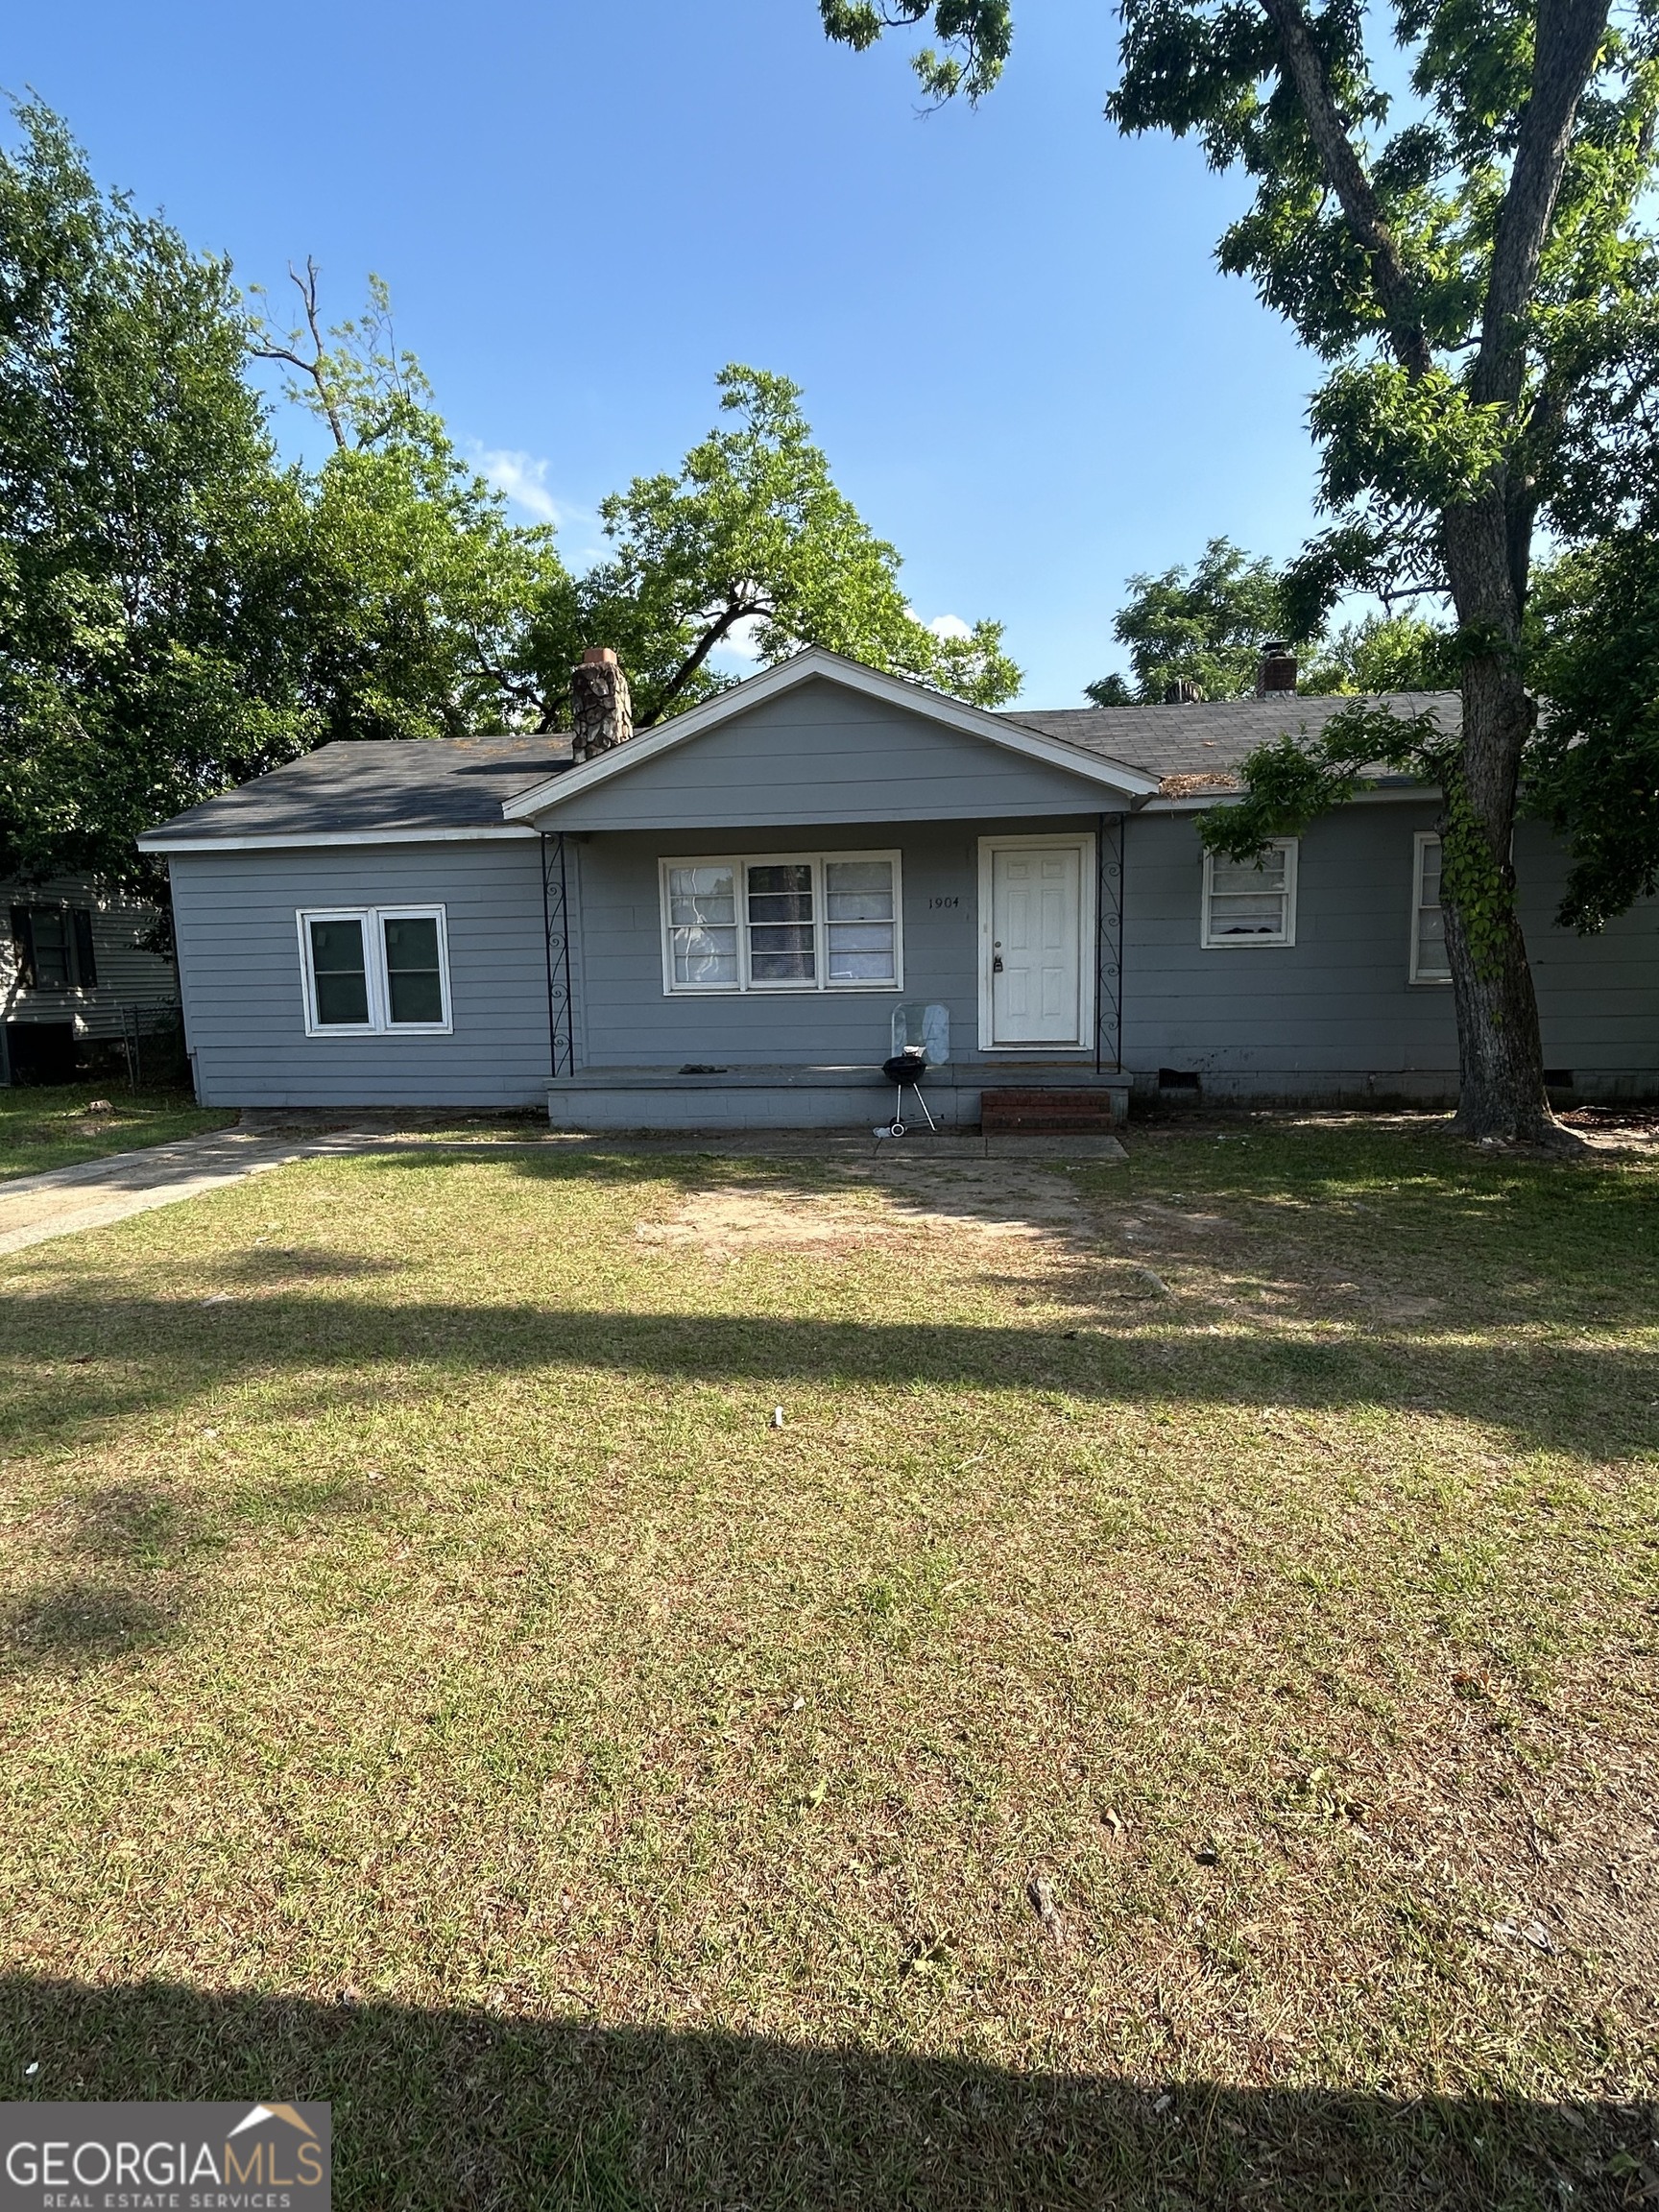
(50, 1126)
(430, 1681)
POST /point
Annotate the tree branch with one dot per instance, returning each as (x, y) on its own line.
(1567, 40)
(694, 659)
(1346, 175)
(306, 286)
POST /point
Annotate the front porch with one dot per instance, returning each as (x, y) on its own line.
(1039, 1098)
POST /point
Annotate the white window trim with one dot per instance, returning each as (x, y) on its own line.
(745, 985)
(1082, 841)
(1286, 936)
(379, 1022)
(1420, 844)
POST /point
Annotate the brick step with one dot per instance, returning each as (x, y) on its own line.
(1054, 1112)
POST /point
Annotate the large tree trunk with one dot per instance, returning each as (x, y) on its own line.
(1501, 1054)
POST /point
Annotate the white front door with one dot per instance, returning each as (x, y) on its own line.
(1035, 951)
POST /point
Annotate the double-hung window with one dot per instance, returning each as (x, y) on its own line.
(374, 971)
(1251, 902)
(785, 922)
(53, 946)
(1429, 961)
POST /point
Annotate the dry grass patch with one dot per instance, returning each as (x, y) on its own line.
(432, 1682)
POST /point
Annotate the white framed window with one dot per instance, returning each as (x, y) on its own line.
(1251, 902)
(1429, 961)
(374, 971)
(783, 922)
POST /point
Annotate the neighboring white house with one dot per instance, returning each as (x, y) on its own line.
(74, 970)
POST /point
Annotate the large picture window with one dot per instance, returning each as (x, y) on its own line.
(1251, 902)
(784, 922)
(373, 971)
(1429, 961)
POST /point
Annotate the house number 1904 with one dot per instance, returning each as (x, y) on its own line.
(956, 902)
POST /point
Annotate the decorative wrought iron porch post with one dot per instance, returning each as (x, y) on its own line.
(1109, 945)
(556, 925)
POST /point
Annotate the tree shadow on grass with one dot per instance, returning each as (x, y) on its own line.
(81, 1621)
(125, 1581)
(1598, 1399)
(437, 2111)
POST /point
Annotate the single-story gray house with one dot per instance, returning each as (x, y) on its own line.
(727, 920)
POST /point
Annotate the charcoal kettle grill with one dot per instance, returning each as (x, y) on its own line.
(904, 1071)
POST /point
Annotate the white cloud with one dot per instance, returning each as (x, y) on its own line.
(950, 626)
(524, 480)
(740, 642)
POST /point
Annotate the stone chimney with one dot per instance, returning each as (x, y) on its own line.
(601, 706)
(1277, 671)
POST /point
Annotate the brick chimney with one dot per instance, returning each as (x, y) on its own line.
(601, 706)
(1277, 671)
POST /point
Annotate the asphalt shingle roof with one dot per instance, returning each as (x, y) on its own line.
(1211, 736)
(357, 786)
(362, 784)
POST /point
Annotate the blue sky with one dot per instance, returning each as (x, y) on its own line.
(1014, 343)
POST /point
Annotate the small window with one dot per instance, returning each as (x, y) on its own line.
(54, 948)
(369, 971)
(340, 973)
(788, 922)
(1429, 961)
(1251, 902)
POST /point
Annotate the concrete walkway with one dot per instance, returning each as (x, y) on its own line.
(36, 1208)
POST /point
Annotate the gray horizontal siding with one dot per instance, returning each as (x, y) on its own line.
(629, 1022)
(243, 1002)
(1339, 1002)
(821, 754)
(1333, 1013)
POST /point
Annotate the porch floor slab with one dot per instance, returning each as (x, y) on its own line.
(713, 1099)
(955, 1074)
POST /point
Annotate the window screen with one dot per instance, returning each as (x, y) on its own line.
(413, 971)
(339, 974)
(782, 940)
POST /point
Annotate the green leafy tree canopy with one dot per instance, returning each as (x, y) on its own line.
(137, 490)
(752, 539)
(414, 599)
(1205, 626)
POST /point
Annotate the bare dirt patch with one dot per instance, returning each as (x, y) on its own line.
(1002, 1202)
